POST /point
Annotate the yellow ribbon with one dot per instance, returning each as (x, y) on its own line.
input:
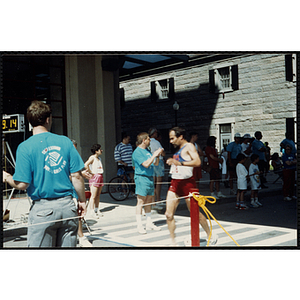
(201, 202)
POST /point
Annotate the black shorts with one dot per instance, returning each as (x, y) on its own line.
(230, 168)
(215, 174)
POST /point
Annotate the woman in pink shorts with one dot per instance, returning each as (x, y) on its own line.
(94, 166)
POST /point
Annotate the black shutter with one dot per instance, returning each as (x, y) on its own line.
(171, 89)
(289, 67)
(212, 81)
(290, 127)
(235, 77)
(153, 91)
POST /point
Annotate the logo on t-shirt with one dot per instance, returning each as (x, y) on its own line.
(54, 161)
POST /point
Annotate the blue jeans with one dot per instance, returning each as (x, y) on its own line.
(53, 234)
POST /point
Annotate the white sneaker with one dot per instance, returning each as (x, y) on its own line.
(98, 214)
(257, 202)
(141, 230)
(287, 199)
(220, 195)
(151, 226)
(253, 204)
(213, 240)
(214, 195)
(84, 242)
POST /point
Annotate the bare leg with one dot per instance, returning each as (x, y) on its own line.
(211, 186)
(138, 213)
(202, 219)
(172, 203)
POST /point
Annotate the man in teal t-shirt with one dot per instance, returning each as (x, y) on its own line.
(44, 163)
(143, 177)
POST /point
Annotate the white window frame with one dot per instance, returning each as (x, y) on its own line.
(221, 122)
(162, 89)
(218, 79)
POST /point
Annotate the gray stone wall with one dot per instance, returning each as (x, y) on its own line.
(263, 101)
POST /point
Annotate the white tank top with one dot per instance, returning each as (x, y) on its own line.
(180, 172)
(96, 166)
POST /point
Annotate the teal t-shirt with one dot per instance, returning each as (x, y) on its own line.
(45, 161)
(138, 157)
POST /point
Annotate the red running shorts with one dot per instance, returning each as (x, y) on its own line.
(182, 187)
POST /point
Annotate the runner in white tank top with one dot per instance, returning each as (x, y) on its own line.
(182, 165)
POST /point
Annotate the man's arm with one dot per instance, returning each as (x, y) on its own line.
(220, 160)
(15, 184)
(147, 163)
(195, 162)
(78, 184)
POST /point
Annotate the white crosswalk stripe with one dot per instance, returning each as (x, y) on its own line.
(244, 234)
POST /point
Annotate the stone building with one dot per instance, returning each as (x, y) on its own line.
(217, 95)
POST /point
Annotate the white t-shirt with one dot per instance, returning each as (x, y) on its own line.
(254, 180)
(154, 145)
(244, 148)
(241, 173)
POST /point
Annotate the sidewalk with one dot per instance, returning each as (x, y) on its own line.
(15, 229)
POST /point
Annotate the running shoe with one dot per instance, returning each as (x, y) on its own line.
(84, 242)
(253, 204)
(237, 205)
(141, 230)
(99, 214)
(213, 240)
(220, 195)
(214, 195)
(151, 226)
(258, 203)
(243, 206)
(287, 199)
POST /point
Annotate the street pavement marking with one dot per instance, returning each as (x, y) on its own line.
(244, 234)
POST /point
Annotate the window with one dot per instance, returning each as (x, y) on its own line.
(162, 90)
(224, 79)
(290, 67)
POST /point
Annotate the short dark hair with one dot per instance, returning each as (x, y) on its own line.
(257, 133)
(38, 112)
(211, 141)
(254, 157)
(179, 131)
(124, 135)
(95, 148)
(240, 157)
